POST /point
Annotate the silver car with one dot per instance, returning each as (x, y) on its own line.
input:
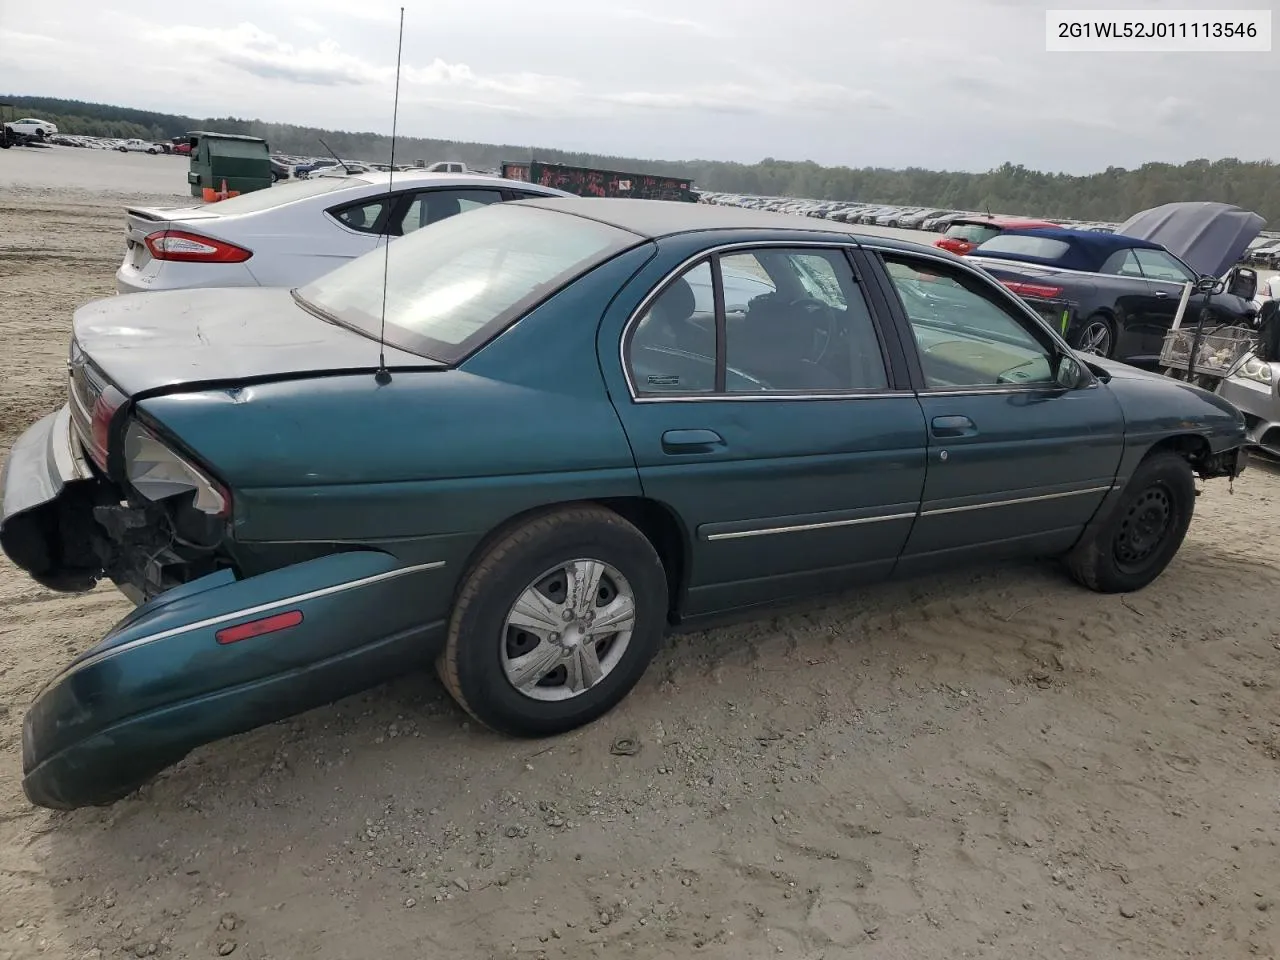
(1255, 389)
(289, 234)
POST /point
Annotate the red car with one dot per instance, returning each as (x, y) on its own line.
(965, 233)
(183, 148)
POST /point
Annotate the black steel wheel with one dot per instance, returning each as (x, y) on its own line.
(1137, 539)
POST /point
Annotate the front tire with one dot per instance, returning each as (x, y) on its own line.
(555, 622)
(1142, 535)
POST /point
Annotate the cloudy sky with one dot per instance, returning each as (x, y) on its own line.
(955, 84)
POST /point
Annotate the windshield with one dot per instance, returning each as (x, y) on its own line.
(453, 285)
(973, 232)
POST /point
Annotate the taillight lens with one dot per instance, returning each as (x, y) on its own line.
(1042, 290)
(104, 409)
(187, 247)
(157, 472)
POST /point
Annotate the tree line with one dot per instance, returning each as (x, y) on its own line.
(1113, 194)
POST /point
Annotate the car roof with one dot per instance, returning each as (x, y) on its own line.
(661, 218)
(1087, 250)
(441, 179)
(1004, 222)
(1090, 238)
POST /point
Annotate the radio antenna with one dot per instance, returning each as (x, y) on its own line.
(383, 375)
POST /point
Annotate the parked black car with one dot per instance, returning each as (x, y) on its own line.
(1122, 293)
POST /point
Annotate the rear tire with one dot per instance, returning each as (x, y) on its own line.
(1096, 336)
(494, 667)
(1135, 544)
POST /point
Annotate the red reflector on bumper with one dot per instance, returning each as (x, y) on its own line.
(256, 628)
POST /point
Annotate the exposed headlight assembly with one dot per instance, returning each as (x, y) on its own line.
(157, 473)
(1256, 370)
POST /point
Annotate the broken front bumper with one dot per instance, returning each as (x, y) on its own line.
(177, 673)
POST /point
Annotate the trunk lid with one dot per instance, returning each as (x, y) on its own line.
(153, 341)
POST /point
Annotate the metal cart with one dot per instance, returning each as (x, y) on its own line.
(1203, 354)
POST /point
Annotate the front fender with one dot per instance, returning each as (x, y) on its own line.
(161, 683)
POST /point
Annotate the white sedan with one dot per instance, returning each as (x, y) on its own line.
(33, 127)
(291, 233)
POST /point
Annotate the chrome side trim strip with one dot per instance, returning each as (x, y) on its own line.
(938, 511)
(799, 528)
(735, 397)
(249, 612)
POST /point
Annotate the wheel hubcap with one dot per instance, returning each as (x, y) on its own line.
(1144, 527)
(568, 630)
(1096, 339)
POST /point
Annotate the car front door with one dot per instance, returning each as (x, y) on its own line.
(783, 435)
(1016, 464)
(1143, 309)
(1169, 275)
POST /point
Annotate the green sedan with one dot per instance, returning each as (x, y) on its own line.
(527, 442)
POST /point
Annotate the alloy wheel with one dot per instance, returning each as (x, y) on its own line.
(1096, 339)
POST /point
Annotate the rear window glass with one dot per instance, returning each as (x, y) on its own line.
(454, 284)
(973, 232)
(1044, 248)
(283, 193)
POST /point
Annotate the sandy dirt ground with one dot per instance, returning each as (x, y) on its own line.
(995, 763)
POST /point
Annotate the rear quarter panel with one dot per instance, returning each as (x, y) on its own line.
(432, 461)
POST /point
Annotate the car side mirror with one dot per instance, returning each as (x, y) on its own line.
(1071, 373)
(1243, 283)
(1207, 284)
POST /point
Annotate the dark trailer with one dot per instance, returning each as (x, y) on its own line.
(592, 182)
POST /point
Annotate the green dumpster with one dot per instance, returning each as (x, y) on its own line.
(242, 163)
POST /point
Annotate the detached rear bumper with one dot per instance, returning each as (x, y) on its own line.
(164, 682)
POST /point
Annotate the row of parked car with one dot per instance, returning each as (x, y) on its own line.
(934, 219)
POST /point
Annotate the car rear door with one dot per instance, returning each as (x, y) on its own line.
(1016, 464)
(783, 436)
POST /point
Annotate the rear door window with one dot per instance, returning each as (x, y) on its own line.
(367, 217)
(1122, 263)
(432, 206)
(1158, 265)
